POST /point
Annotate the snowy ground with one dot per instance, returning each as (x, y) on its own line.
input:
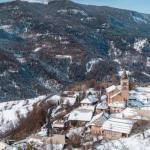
(10, 112)
(136, 142)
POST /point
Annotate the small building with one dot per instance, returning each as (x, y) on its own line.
(81, 116)
(139, 97)
(115, 128)
(92, 91)
(68, 101)
(118, 95)
(55, 99)
(142, 113)
(90, 100)
(56, 141)
(97, 122)
(117, 106)
(59, 126)
(102, 107)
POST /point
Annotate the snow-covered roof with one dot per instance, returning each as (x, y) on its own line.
(135, 142)
(99, 119)
(55, 98)
(103, 97)
(72, 93)
(69, 100)
(58, 124)
(111, 88)
(89, 100)
(92, 91)
(114, 95)
(142, 113)
(54, 146)
(102, 105)
(76, 131)
(90, 108)
(118, 104)
(81, 114)
(119, 87)
(140, 95)
(143, 89)
(118, 125)
(55, 139)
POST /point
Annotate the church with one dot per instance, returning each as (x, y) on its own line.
(117, 96)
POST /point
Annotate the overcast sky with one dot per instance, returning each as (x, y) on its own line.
(137, 5)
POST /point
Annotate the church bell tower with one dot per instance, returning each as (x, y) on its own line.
(125, 86)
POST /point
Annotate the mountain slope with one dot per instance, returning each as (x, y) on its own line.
(45, 47)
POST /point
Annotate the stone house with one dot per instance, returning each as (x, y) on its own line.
(115, 128)
(102, 107)
(90, 100)
(97, 122)
(59, 126)
(80, 116)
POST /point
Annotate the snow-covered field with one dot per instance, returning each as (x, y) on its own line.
(11, 112)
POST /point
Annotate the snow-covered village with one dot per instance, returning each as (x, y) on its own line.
(74, 75)
(112, 118)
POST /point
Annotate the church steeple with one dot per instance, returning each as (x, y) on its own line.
(125, 85)
(124, 75)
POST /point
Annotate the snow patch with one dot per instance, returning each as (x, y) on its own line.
(72, 11)
(114, 51)
(138, 19)
(139, 44)
(37, 49)
(91, 63)
(6, 28)
(37, 1)
(148, 62)
(10, 112)
(121, 72)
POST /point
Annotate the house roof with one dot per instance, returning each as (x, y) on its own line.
(103, 97)
(118, 104)
(90, 108)
(118, 93)
(58, 124)
(55, 98)
(89, 100)
(55, 139)
(102, 105)
(92, 91)
(69, 100)
(140, 96)
(99, 119)
(137, 114)
(110, 89)
(81, 114)
(118, 125)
